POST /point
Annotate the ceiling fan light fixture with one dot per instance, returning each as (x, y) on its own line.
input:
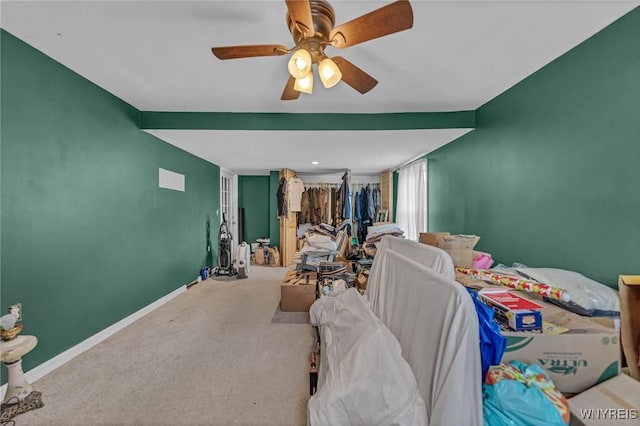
(330, 74)
(304, 84)
(300, 63)
(311, 24)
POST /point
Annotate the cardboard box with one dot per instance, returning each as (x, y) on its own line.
(614, 402)
(586, 354)
(432, 238)
(629, 290)
(298, 291)
(460, 248)
(513, 310)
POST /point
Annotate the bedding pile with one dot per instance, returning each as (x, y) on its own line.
(375, 234)
(363, 379)
(436, 324)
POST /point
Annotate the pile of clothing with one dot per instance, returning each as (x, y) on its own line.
(332, 231)
(323, 242)
(375, 233)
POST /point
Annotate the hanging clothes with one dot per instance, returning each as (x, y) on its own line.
(364, 203)
(313, 201)
(370, 203)
(339, 206)
(317, 211)
(344, 196)
(281, 196)
(295, 188)
(356, 210)
(309, 213)
(364, 215)
(347, 205)
(325, 202)
(333, 206)
(329, 208)
(304, 215)
(375, 196)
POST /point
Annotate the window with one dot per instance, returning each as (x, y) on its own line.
(411, 214)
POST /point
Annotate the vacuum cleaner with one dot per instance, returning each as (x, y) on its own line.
(244, 259)
(225, 260)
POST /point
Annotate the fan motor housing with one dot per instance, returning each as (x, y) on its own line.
(323, 21)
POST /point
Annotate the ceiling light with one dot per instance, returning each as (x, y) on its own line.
(315, 163)
(329, 72)
(300, 63)
(304, 84)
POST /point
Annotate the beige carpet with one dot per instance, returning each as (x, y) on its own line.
(211, 356)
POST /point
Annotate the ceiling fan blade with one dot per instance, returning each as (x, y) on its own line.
(389, 19)
(248, 51)
(354, 76)
(300, 12)
(289, 94)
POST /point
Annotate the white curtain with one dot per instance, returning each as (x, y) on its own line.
(411, 213)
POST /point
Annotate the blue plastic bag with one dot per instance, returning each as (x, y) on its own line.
(492, 342)
(517, 394)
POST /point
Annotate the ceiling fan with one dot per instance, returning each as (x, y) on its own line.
(311, 24)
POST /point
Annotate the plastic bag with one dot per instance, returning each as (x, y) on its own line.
(482, 261)
(492, 342)
(274, 256)
(588, 297)
(518, 394)
(259, 255)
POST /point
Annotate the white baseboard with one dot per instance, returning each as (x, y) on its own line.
(66, 356)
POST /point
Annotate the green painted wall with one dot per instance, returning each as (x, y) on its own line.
(253, 196)
(550, 176)
(306, 121)
(87, 236)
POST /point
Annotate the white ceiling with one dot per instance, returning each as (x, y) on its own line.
(156, 56)
(247, 152)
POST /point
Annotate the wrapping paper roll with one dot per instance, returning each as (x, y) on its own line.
(517, 283)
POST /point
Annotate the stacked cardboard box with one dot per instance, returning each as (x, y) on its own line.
(629, 286)
(459, 247)
(614, 402)
(576, 351)
(298, 291)
(432, 238)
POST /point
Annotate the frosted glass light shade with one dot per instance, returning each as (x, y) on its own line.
(329, 72)
(304, 84)
(8, 321)
(300, 63)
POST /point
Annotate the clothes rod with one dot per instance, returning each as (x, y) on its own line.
(322, 183)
